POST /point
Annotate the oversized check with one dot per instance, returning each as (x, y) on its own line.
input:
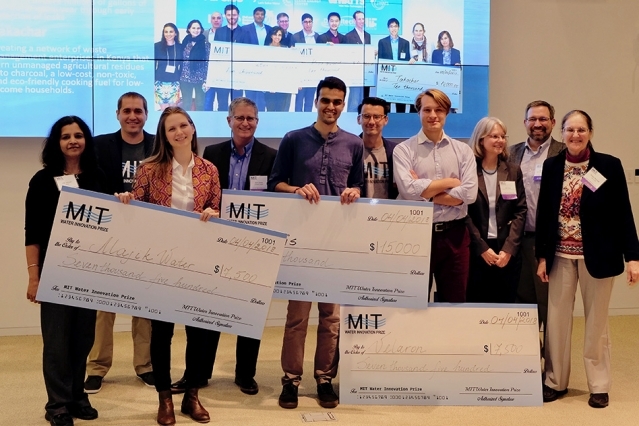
(254, 67)
(401, 82)
(269, 68)
(371, 252)
(467, 354)
(314, 62)
(160, 263)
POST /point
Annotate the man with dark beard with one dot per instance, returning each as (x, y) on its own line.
(530, 156)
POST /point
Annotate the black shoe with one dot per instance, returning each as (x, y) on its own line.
(63, 419)
(247, 385)
(551, 395)
(93, 384)
(83, 413)
(598, 400)
(327, 396)
(148, 379)
(288, 397)
(179, 386)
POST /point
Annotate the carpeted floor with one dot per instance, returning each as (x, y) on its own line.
(124, 400)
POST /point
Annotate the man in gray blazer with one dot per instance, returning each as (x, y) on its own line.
(530, 156)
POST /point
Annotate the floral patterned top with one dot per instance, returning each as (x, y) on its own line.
(570, 243)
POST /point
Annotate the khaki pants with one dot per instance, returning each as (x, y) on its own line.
(101, 355)
(596, 293)
(326, 352)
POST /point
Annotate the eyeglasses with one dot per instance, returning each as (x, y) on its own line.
(307, 21)
(241, 119)
(368, 117)
(580, 131)
(497, 137)
(335, 102)
(542, 120)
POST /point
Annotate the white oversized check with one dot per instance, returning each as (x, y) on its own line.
(278, 69)
(254, 67)
(371, 252)
(468, 354)
(317, 61)
(401, 82)
(160, 263)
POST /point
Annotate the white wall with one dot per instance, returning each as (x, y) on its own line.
(573, 53)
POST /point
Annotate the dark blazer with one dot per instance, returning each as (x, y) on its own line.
(328, 37)
(352, 37)
(389, 146)
(608, 228)
(438, 56)
(385, 51)
(298, 38)
(517, 150)
(226, 34)
(510, 214)
(286, 40)
(108, 149)
(262, 159)
(249, 34)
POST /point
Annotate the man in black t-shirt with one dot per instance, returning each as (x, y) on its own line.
(119, 155)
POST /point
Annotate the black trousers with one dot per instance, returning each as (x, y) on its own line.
(199, 344)
(246, 353)
(490, 283)
(67, 336)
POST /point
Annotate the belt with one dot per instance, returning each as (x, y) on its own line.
(529, 233)
(444, 226)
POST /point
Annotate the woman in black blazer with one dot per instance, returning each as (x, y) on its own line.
(496, 219)
(585, 230)
(445, 54)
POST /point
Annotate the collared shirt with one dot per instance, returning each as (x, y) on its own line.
(529, 162)
(211, 35)
(361, 35)
(449, 158)
(309, 38)
(395, 47)
(239, 166)
(261, 34)
(332, 164)
(182, 196)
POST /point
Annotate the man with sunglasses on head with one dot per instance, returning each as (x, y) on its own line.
(243, 164)
(530, 156)
(378, 151)
(321, 159)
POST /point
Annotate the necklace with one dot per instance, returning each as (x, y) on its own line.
(489, 173)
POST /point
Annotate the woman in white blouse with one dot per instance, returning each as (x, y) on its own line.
(175, 176)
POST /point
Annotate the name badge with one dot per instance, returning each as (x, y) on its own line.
(170, 68)
(508, 190)
(402, 55)
(258, 183)
(66, 180)
(538, 170)
(593, 179)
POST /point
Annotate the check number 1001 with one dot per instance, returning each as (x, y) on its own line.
(394, 247)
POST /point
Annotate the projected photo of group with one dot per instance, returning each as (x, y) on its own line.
(200, 54)
(275, 52)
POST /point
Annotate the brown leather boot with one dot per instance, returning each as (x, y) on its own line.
(192, 407)
(166, 415)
